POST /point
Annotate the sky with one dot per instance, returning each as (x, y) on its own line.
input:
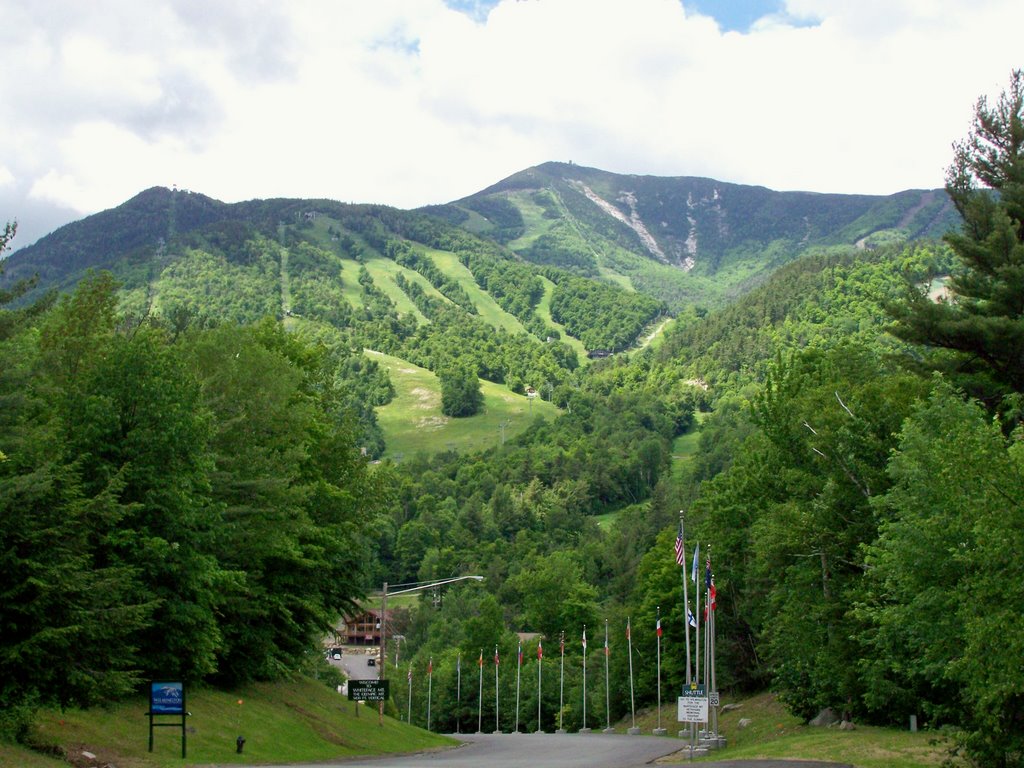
(415, 102)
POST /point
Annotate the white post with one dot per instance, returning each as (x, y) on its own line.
(458, 692)
(497, 729)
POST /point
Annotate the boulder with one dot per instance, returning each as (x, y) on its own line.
(826, 717)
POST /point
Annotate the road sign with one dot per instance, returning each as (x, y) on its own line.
(713, 700)
(693, 705)
(368, 690)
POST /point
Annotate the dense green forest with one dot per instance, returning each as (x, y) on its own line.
(184, 490)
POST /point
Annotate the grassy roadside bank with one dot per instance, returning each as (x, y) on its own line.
(298, 721)
(771, 732)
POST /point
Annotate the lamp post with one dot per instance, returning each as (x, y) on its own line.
(406, 589)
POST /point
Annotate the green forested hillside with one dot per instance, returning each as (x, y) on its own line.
(681, 240)
(173, 457)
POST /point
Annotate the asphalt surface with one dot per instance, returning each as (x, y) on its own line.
(546, 750)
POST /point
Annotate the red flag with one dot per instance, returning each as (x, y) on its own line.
(659, 626)
(430, 666)
(480, 663)
(540, 651)
(627, 630)
(495, 655)
(712, 594)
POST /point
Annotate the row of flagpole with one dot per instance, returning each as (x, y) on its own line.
(561, 689)
(693, 671)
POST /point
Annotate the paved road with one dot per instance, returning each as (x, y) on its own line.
(547, 750)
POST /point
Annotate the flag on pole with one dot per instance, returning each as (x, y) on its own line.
(540, 650)
(658, 627)
(690, 617)
(707, 572)
(680, 553)
(627, 629)
(693, 572)
(430, 666)
(584, 638)
(408, 675)
(495, 655)
(561, 643)
(712, 602)
(480, 663)
(607, 652)
(520, 653)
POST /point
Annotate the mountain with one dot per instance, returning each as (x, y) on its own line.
(682, 239)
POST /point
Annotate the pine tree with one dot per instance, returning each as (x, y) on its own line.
(978, 334)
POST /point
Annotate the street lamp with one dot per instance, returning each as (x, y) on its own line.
(415, 586)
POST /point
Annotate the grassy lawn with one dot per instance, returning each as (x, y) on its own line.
(413, 422)
(485, 305)
(299, 721)
(773, 733)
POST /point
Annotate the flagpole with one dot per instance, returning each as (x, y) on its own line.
(408, 699)
(458, 692)
(707, 631)
(561, 680)
(658, 632)
(584, 729)
(519, 671)
(607, 698)
(696, 614)
(480, 696)
(496, 728)
(540, 665)
(681, 560)
(430, 687)
(632, 702)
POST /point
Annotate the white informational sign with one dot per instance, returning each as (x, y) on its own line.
(693, 705)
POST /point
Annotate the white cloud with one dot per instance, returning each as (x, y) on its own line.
(410, 102)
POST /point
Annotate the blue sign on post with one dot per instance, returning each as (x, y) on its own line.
(167, 698)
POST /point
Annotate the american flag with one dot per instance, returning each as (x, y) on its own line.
(680, 553)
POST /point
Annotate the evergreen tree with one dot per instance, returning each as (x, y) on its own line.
(979, 331)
